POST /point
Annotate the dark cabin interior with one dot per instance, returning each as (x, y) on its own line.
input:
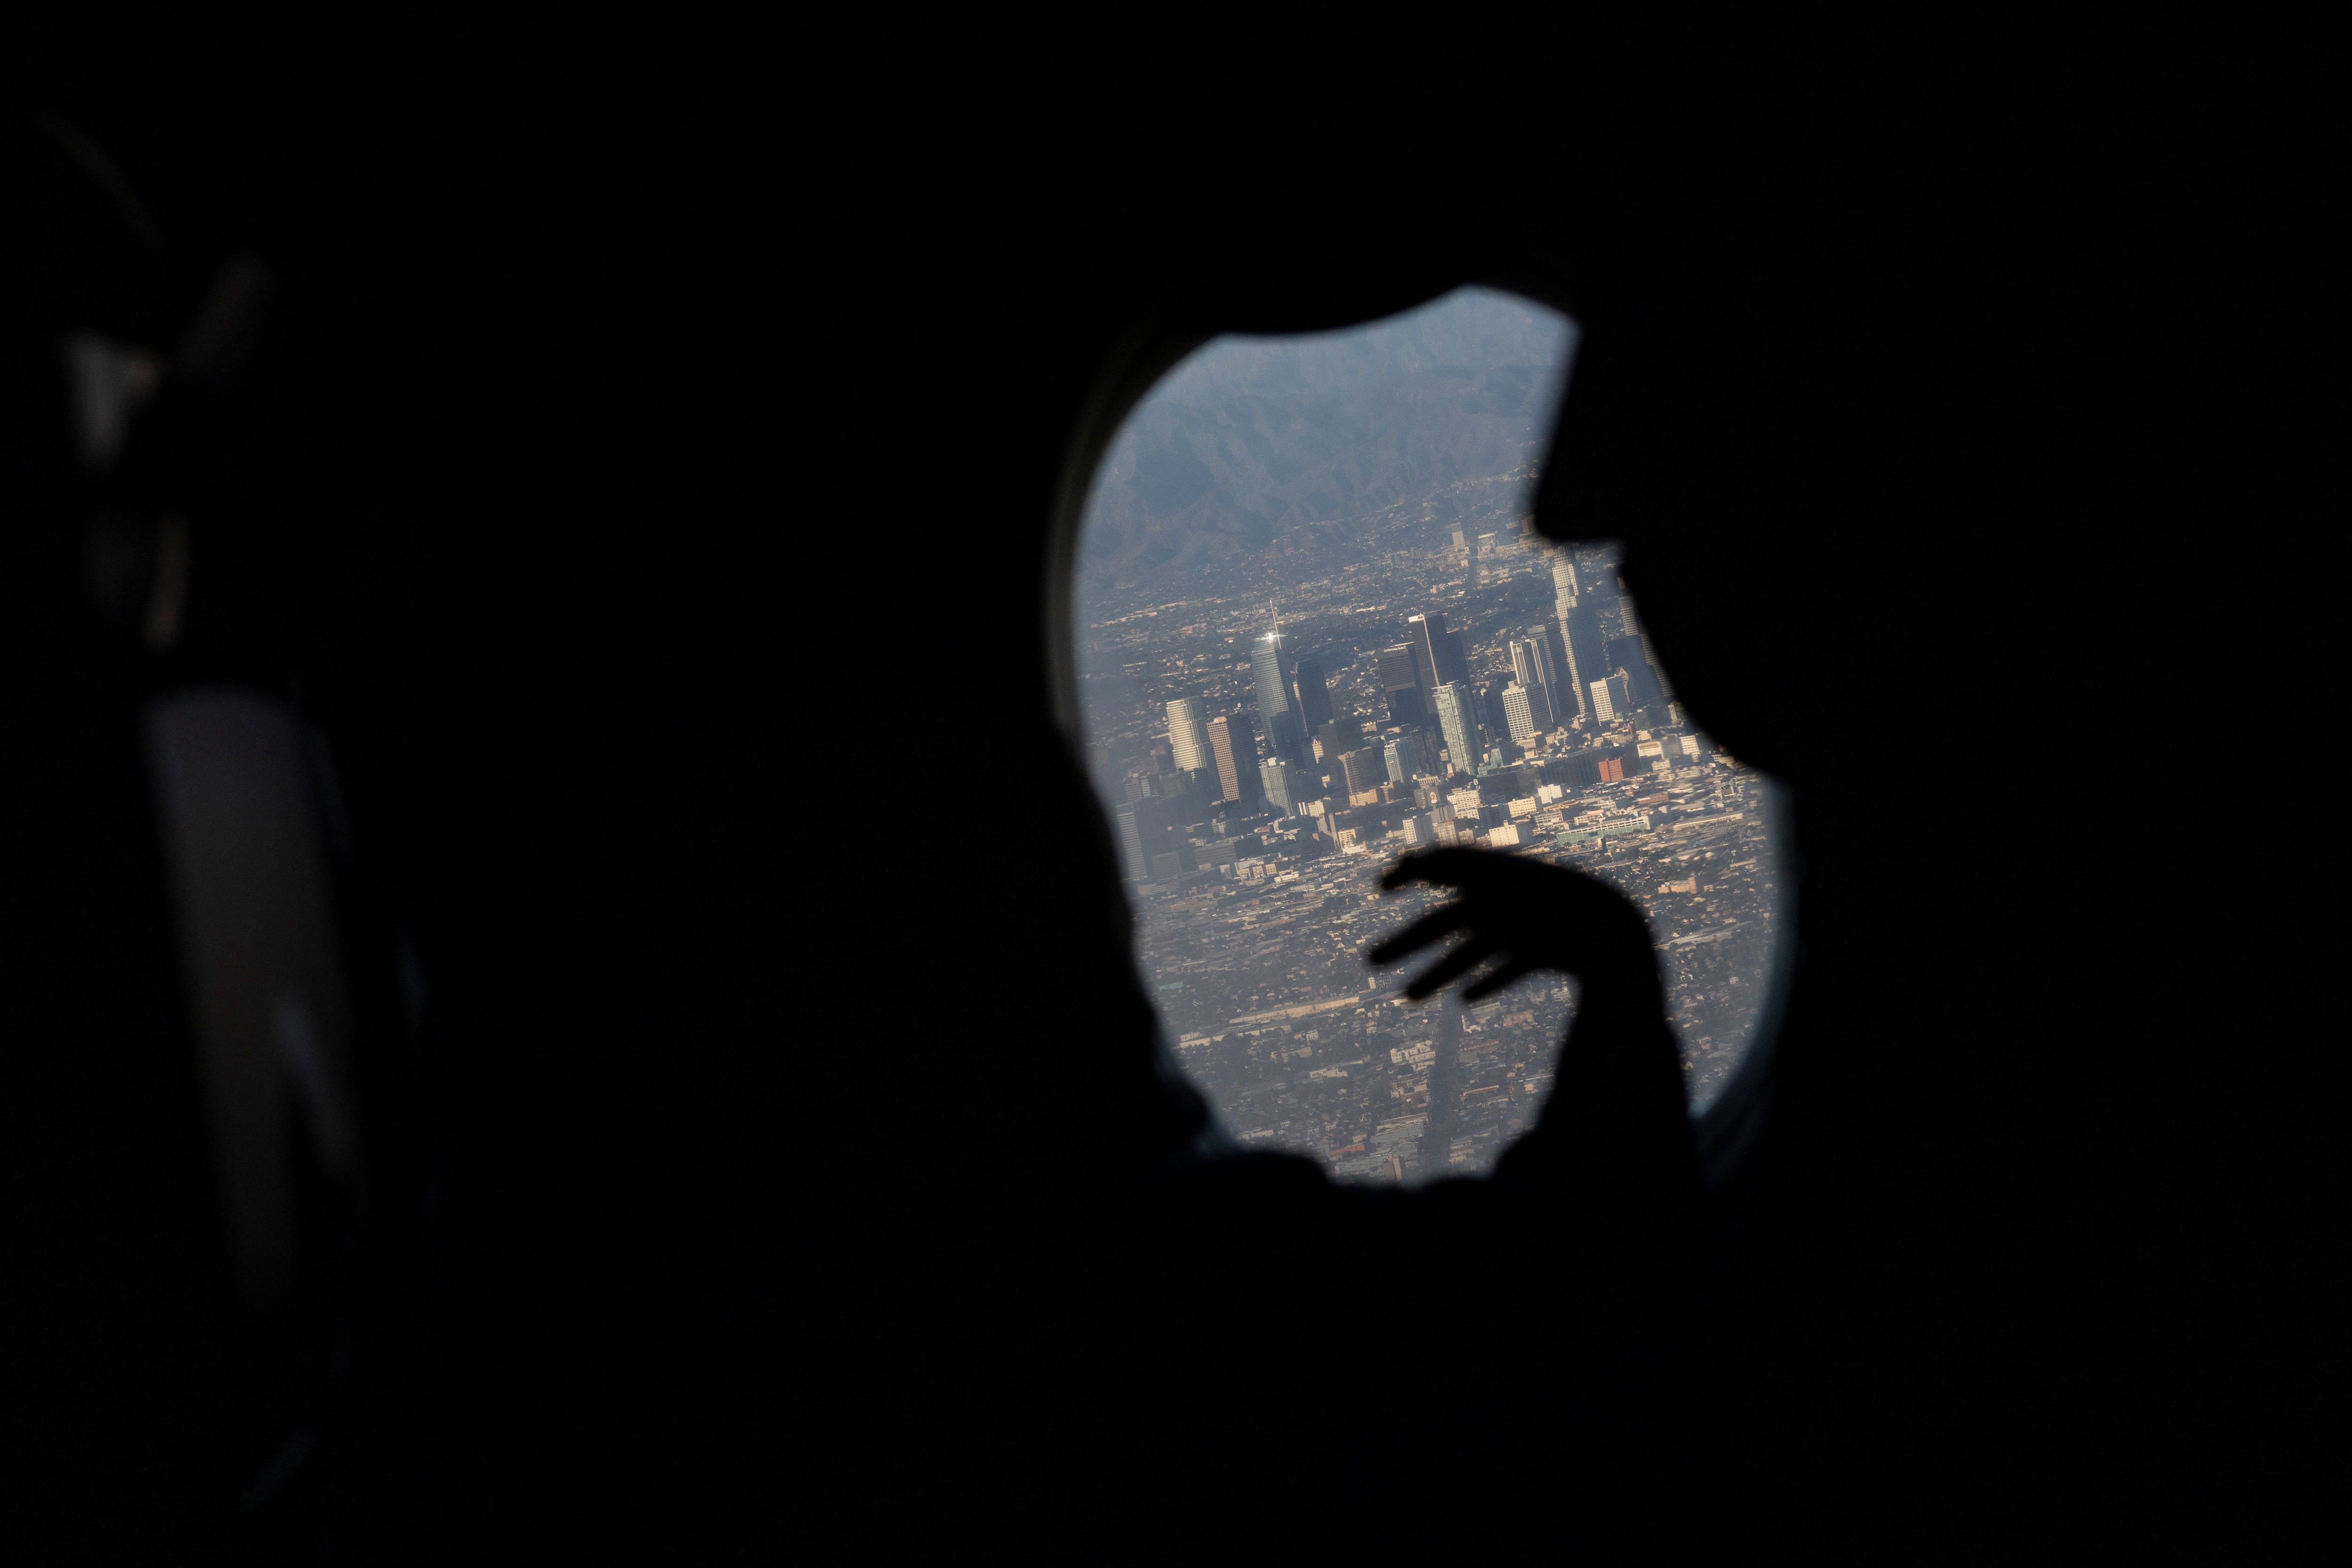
(627, 480)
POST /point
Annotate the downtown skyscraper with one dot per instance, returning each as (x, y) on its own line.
(1531, 663)
(1311, 690)
(1436, 654)
(1457, 720)
(1520, 706)
(1284, 727)
(1232, 745)
(1579, 614)
(1401, 689)
(1405, 757)
(1630, 657)
(1188, 734)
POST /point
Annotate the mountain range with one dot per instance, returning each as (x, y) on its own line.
(1252, 439)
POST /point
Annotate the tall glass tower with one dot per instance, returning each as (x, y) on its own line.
(1436, 651)
(1401, 683)
(1457, 720)
(1312, 691)
(1278, 716)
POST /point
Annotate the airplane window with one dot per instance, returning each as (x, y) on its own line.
(1315, 631)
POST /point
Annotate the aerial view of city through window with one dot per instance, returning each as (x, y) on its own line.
(1316, 633)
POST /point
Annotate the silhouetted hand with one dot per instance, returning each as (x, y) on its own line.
(1616, 1128)
(1529, 914)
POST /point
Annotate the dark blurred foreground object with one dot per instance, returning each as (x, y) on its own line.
(213, 1097)
(370, 760)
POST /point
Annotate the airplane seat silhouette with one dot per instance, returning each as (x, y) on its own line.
(211, 1151)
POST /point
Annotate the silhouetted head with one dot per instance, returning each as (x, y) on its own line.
(1674, 448)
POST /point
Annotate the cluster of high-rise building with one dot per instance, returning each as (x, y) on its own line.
(1572, 681)
(1605, 664)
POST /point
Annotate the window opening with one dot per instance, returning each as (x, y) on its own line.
(1316, 630)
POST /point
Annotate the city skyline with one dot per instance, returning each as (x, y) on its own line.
(1272, 724)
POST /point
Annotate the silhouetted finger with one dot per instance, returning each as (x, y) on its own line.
(1450, 968)
(1430, 927)
(1488, 985)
